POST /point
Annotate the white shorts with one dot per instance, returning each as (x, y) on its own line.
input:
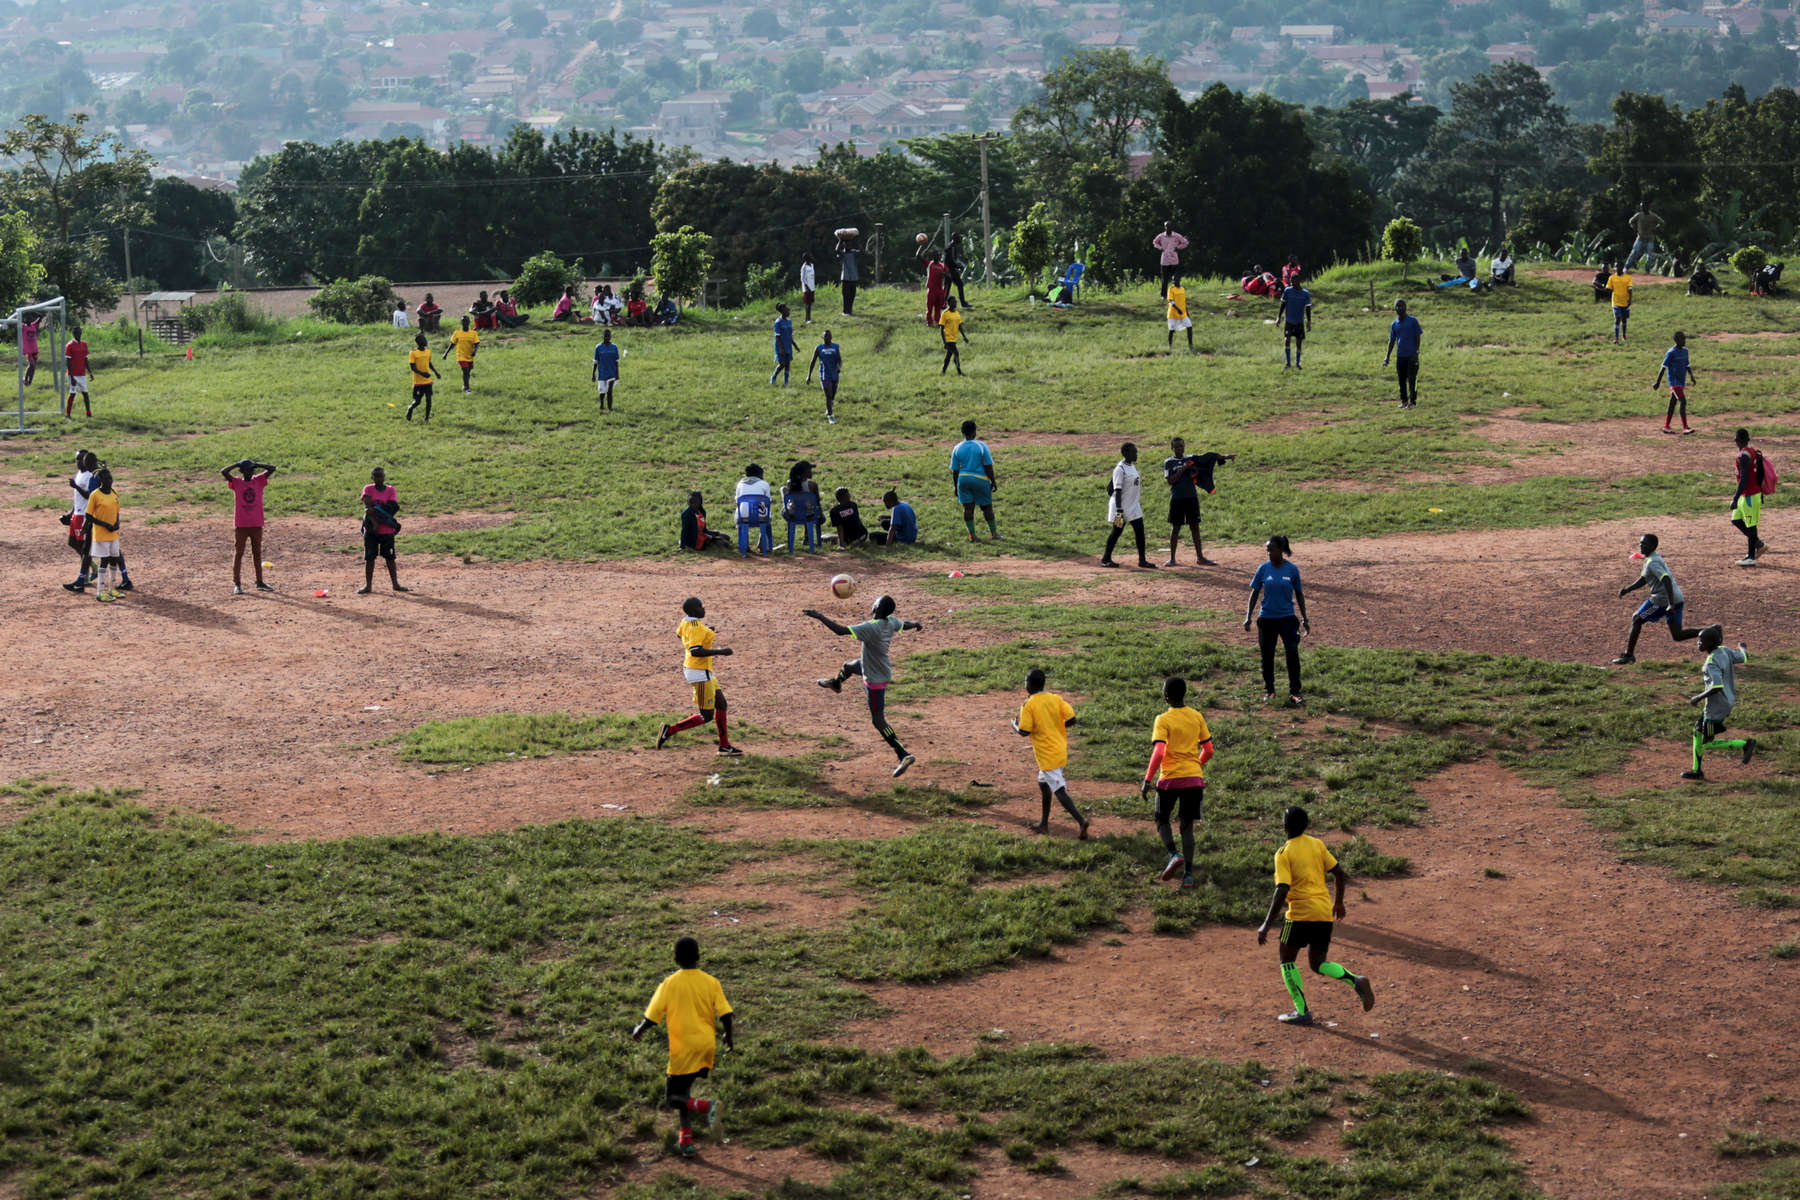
(1178, 323)
(605, 386)
(78, 383)
(1053, 778)
(104, 549)
(695, 675)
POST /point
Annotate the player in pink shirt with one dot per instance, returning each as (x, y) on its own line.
(380, 502)
(248, 513)
(1171, 244)
(28, 344)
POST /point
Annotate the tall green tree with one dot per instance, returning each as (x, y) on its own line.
(1648, 155)
(74, 186)
(171, 249)
(682, 260)
(1096, 106)
(1378, 139)
(20, 273)
(297, 210)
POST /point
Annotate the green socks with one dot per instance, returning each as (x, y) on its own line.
(970, 522)
(1334, 971)
(1290, 975)
(992, 530)
(1701, 747)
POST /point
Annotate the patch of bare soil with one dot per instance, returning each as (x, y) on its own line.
(1583, 275)
(1631, 1010)
(788, 891)
(1759, 335)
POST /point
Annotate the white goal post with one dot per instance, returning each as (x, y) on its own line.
(52, 339)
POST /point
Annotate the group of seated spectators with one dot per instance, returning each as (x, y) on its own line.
(801, 505)
(1468, 271)
(608, 308)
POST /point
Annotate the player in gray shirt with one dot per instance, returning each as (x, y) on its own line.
(1664, 604)
(1720, 696)
(875, 665)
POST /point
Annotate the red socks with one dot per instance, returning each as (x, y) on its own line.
(687, 723)
(719, 720)
(699, 1106)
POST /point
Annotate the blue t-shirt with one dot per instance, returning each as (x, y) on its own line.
(904, 523)
(830, 358)
(1279, 585)
(1406, 333)
(1676, 363)
(784, 338)
(606, 360)
(1294, 302)
(971, 457)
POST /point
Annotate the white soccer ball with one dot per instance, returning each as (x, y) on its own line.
(843, 586)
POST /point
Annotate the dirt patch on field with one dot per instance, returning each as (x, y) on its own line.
(1582, 275)
(789, 891)
(1633, 1060)
(1760, 335)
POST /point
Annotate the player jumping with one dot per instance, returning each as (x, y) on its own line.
(697, 640)
(875, 665)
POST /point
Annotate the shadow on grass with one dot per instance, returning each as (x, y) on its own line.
(181, 612)
(368, 619)
(466, 608)
(1418, 949)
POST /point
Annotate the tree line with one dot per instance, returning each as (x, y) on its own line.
(1107, 147)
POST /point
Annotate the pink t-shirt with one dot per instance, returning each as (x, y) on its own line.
(249, 494)
(28, 338)
(385, 496)
(1171, 245)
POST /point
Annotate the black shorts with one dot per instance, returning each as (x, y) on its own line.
(1316, 934)
(1184, 510)
(377, 545)
(1187, 799)
(679, 1087)
(421, 391)
(1295, 330)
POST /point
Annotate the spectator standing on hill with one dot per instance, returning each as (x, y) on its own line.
(1296, 322)
(1125, 506)
(1188, 476)
(849, 272)
(809, 282)
(972, 474)
(1404, 335)
(1644, 225)
(247, 518)
(381, 503)
(1169, 246)
(606, 368)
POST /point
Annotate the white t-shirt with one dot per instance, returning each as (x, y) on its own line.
(807, 277)
(1127, 498)
(78, 503)
(597, 309)
(1501, 263)
(400, 321)
(750, 486)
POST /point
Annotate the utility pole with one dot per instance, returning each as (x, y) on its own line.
(987, 232)
(125, 232)
(878, 240)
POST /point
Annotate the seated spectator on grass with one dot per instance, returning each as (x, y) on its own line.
(610, 302)
(1703, 282)
(506, 312)
(430, 314)
(483, 312)
(800, 506)
(666, 312)
(1501, 271)
(565, 307)
(846, 519)
(899, 526)
(399, 317)
(694, 534)
(1259, 283)
(1466, 273)
(597, 308)
(752, 500)
(636, 311)
(1291, 272)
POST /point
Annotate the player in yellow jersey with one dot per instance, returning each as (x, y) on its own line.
(1045, 719)
(698, 654)
(1178, 313)
(464, 341)
(951, 323)
(692, 1002)
(419, 360)
(1300, 869)
(1183, 746)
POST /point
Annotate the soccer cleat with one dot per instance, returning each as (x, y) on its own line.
(1107, 562)
(1204, 561)
(80, 585)
(830, 420)
(834, 684)
(364, 590)
(1187, 881)
(263, 587)
(398, 588)
(1295, 1018)
(1268, 697)
(731, 752)
(1169, 562)
(1686, 429)
(663, 737)
(1297, 701)
(1746, 561)
(1083, 835)
(1699, 775)
(103, 597)
(1761, 545)
(1041, 828)
(905, 762)
(1176, 862)
(237, 589)
(1749, 748)
(1624, 660)
(1146, 565)
(685, 1144)
(124, 587)
(1365, 992)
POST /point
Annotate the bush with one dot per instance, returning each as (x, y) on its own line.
(1402, 242)
(681, 259)
(765, 283)
(1032, 247)
(230, 313)
(543, 277)
(366, 301)
(1748, 261)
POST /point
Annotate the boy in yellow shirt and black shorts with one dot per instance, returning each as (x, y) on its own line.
(692, 1002)
(1045, 719)
(1183, 747)
(419, 359)
(951, 323)
(1300, 869)
(696, 664)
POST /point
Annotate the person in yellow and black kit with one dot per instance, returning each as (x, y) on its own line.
(697, 644)
(950, 324)
(1300, 869)
(1182, 746)
(423, 371)
(692, 1002)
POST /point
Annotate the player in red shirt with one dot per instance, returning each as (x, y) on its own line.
(76, 355)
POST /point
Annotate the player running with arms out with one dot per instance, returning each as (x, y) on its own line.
(1675, 366)
(418, 360)
(1719, 673)
(1300, 869)
(1176, 774)
(875, 665)
(1045, 719)
(1296, 318)
(1404, 335)
(694, 1006)
(697, 642)
(465, 342)
(1664, 604)
(828, 357)
(247, 514)
(606, 368)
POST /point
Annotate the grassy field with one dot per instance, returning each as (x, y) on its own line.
(1056, 390)
(192, 1013)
